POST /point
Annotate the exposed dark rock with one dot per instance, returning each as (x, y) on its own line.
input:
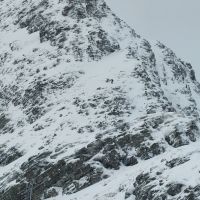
(14, 193)
(110, 148)
(44, 176)
(75, 11)
(147, 152)
(192, 130)
(53, 32)
(177, 161)
(177, 139)
(91, 150)
(74, 172)
(66, 10)
(130, 161)
(77, 32)
(50, 193)
(143, 178)
(35, 21)
(174, 189)
(115, 151)
(145, 188)
(130, 140)
(35, 96)
(191, 193)
(142, 190)
(3, 121)
(8, 156)
(110, 160)
(102, 42)
(192, 75)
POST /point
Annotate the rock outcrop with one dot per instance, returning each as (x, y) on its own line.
(91, 110)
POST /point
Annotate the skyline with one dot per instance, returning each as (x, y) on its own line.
(174, 23)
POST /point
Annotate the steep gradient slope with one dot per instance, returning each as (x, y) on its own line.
(90, 110)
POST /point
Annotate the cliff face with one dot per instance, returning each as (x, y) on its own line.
(91, 110)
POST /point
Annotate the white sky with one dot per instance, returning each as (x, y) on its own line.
(176, 23)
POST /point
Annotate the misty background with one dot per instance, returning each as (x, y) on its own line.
(176, 23)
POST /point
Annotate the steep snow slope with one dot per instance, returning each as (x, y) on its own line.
(90, 110)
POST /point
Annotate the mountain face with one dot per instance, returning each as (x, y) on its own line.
(91, 110)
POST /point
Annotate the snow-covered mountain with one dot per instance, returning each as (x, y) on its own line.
(90, 110)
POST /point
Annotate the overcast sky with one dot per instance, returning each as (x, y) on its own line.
(176, 23)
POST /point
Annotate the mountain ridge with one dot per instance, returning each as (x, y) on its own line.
(83, 97)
